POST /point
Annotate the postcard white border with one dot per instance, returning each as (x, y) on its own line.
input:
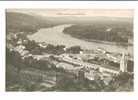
(70, 5)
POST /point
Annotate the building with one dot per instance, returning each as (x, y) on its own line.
(42, 44)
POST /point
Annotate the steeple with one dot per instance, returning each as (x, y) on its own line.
(123, 63)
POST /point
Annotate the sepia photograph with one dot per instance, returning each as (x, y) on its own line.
(69, 50)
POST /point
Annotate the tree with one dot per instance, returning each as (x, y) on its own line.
(31, 45)
(74, 49)
(121, 82)
(36, 51)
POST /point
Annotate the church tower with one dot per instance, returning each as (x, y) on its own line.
(123, 63)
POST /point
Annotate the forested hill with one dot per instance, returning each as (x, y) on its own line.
(118, 32)
(16, 22)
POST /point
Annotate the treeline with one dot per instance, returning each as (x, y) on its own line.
(118, 33)
(34, 48)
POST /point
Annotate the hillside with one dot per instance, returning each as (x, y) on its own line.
(118, 32)
(16, 22)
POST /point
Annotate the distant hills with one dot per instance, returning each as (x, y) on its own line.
(119, 31)
(16, 22)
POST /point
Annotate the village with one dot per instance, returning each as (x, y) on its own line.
(90, 64)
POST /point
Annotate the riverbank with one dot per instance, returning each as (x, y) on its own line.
(56, 36)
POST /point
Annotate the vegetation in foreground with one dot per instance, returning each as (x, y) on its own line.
(65, 81)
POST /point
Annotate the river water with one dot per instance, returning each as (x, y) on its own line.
(54, 35)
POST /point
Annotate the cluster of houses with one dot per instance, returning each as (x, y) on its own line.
(74, 62)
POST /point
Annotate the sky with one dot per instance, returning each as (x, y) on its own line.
(77, 12)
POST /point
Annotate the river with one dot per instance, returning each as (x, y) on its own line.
(54, 35)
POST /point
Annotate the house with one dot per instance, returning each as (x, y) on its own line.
(42, 44)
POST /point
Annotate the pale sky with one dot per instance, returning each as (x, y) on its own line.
(77, 12)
